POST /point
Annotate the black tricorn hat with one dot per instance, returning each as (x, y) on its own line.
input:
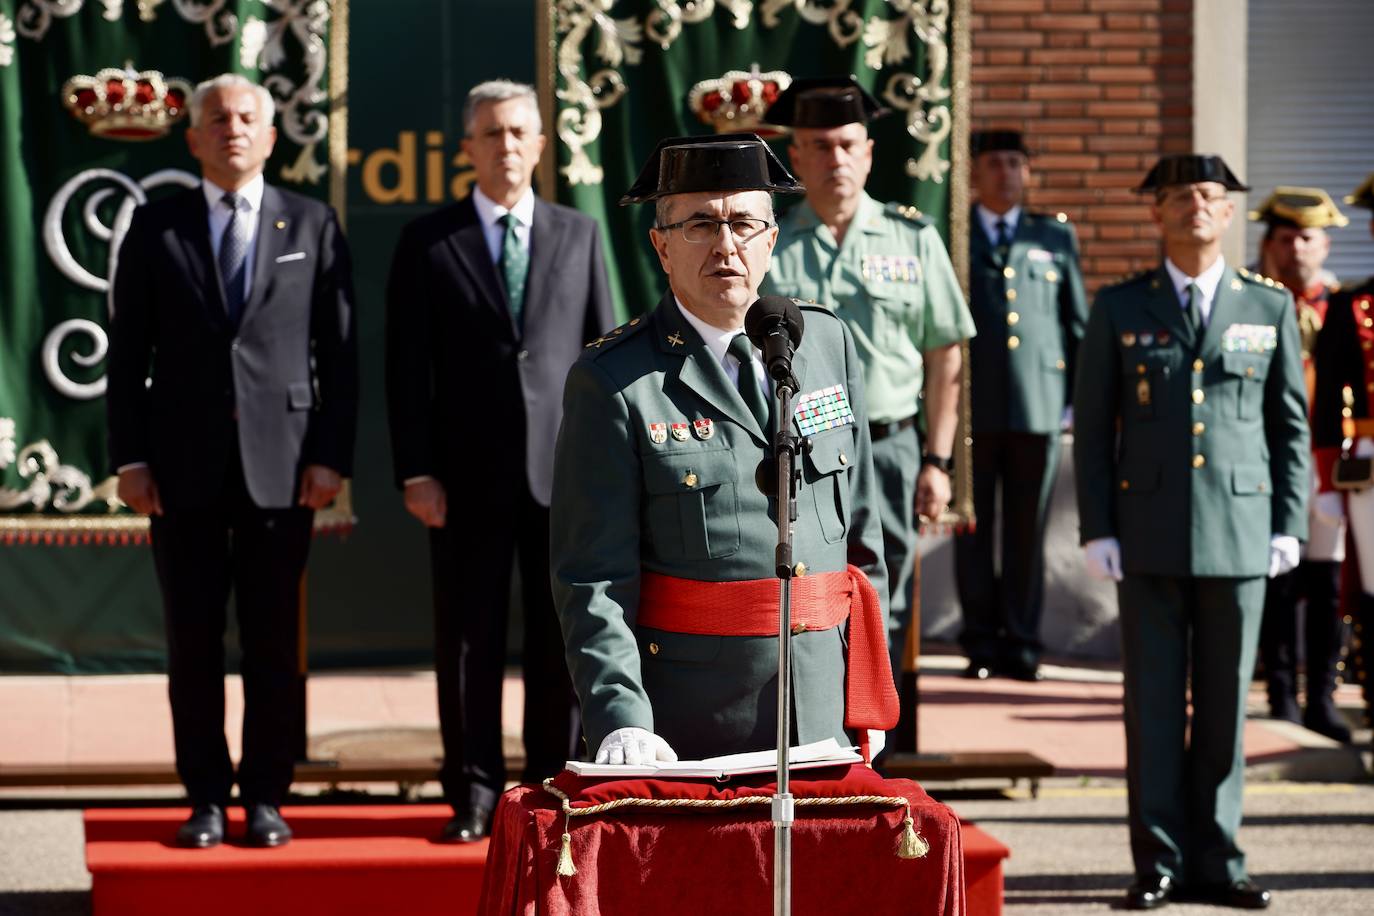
(725, 162)
(992, 141)
(1363, 196)
(823, 101)
(1190, 168)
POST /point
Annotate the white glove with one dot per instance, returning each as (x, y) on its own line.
(1102, 556)
(1284, 551)
(1329, 506)
(633, 747)
(877, 740)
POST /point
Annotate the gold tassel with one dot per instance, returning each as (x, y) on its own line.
(912, 845)
(566, 868)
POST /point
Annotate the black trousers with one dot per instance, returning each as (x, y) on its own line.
(471, 563)
(259, 554)
(1002, 613)
(1318, 582)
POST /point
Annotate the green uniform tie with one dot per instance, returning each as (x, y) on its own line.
(515, 266)
(1195, 311)
(749, 388)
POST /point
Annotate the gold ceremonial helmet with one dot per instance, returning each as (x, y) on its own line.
(1306, 208)
(1363, 196)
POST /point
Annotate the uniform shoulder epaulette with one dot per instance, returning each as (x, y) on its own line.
(1257, 279)
(614, 336)
(908, 213)
(1131, 279)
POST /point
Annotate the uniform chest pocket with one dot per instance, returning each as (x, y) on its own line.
(825, 471)
(895, 307)
(1245, 374)
(1145, 378)
(692, 505)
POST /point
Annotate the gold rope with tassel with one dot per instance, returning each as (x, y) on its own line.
(910, 845)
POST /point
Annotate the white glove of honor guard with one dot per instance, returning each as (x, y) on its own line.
(1284, 551)
(634, 747)
(1102, 556)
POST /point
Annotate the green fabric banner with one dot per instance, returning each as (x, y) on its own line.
(649, 69)
(93, 109)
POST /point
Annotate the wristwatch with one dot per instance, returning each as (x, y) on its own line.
(943, 462)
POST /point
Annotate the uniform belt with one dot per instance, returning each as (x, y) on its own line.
(879, 431)
(820, 601)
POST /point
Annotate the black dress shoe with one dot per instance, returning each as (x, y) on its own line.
(1020, 670)
(1283, 707)
(265, 826)
(1241, 895)
(1323, 718)
(203, 829)
(978, 669)
(467, 826)
(1149, 893)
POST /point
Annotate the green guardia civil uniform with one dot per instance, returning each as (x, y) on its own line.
(891, 282)
(655, 473)
(1030, 309)
(1192, 451)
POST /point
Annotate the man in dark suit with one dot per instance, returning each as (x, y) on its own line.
(1193, 470)
(1027, 299)
(235, 298)
(490, 302)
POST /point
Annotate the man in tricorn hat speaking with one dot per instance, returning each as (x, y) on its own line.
(885, 271)
(1192, 460)
(662, 546)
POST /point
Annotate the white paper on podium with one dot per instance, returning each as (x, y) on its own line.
(807, 756)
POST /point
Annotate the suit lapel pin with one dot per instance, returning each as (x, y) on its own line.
(675, 340)
(704, 428)
(280, 224)
(679, 431)
(1128, 339)
(658, 433)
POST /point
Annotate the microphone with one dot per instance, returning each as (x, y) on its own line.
(774, 325)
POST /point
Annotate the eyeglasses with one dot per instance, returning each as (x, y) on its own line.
(1178, 196)
(702, 231)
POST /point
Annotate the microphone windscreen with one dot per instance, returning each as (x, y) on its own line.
(767, 312)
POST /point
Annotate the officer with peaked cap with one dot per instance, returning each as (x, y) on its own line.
(885, 272)
(1193, 469)
(1343, 409)
(1026, 294)
(1293, 250)
(663, 546)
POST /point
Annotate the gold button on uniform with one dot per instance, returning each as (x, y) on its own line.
(653, 648)
(1249, 371)
(1051, 276)
(1013, 342)
(1140, 368)
(1125, 484)
(1059, 364)
(1198, 396)
(1199, 429)
(1368, 322)
(690, 480)
(844, 459)
(1009, 272)
(1197, 365)
(798, 629)
(1199, 461)
(1011, 295)
(1012, 318)
(799, 569)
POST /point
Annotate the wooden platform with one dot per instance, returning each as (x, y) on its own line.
(1012, 765)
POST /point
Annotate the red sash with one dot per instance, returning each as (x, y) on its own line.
(819, 601)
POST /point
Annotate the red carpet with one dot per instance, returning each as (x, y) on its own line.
(344, 860)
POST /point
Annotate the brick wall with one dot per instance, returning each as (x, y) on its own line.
(1100, 88)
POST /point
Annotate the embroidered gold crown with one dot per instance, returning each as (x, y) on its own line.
(127, 104)
(737, 100)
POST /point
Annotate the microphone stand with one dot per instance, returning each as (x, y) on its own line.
(786, 447)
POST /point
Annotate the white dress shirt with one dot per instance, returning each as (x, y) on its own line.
(718, 342)
(1207, 282)
(489, 212)
(250, 207)
(989, 221)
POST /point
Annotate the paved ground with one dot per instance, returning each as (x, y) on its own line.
(1309, 827)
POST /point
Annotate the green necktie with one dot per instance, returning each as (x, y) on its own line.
(749, 387)
(1195, 311)
(515, 266)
